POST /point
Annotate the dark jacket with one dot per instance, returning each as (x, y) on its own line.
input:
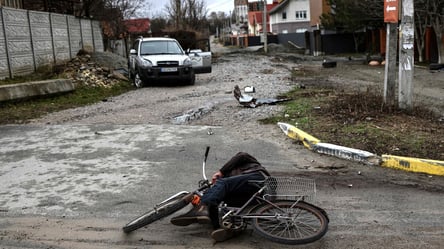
(242, 163)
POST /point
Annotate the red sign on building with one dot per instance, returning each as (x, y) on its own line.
(391, 12)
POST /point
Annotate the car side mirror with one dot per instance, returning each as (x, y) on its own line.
(133, 52)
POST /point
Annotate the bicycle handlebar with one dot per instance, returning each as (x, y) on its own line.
(204, 162)
(206, 152)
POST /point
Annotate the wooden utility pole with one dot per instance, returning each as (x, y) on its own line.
(406, 56)
(178, 14)
(264, 27)
(391, 17)
(390, 64)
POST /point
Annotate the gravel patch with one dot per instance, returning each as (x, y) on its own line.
(209, 102)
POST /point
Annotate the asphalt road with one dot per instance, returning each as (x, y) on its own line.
(75, 186)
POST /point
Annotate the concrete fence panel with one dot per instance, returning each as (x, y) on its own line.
(75, 35)
(60, 38)
(18, 41)
(87, 35)
(97, 37)
(41, 38)
(31, 39)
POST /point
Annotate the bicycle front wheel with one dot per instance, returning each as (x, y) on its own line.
(172, 206)
(289, 223)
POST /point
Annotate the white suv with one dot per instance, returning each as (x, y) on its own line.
(163, 59)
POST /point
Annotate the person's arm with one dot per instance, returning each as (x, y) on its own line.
(216, 176)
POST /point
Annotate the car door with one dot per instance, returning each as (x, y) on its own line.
(132, 57)
(201, 57)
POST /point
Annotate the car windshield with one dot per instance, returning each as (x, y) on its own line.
(160, 47)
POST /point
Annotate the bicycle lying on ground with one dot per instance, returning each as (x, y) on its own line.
(278, 211)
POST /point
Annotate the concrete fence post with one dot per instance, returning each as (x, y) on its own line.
(8, 55)
(92, 35)
(81, 34)
(31, 37)
(52, 38)
(69, 36)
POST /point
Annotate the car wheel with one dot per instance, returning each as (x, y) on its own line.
(138, 81)
(192, 79)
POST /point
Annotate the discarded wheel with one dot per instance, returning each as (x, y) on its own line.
(329, 64)
(436, 66)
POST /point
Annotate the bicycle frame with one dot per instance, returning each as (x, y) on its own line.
(237, 212)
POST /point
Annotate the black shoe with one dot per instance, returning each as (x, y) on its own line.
(198, 214)
(220, 235)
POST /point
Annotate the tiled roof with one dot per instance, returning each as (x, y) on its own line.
(141, 25)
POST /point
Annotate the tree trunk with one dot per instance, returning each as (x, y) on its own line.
(439, 41)
(420, 46)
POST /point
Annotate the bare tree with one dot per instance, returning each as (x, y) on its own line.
(196, 14)
(437, 16)
(422, 22)
(352, 16)
(175, 11)
(187, 13)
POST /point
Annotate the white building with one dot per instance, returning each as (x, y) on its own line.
(241, 11)
(296, 16)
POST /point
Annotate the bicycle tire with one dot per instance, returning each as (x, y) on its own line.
(155, 214)
(307, 224)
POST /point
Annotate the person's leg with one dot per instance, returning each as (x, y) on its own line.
(230, 187)
(223, 190)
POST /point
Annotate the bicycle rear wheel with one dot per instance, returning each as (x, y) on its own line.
(172, 206)
(287, 224)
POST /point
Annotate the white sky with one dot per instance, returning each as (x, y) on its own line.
(212, 5)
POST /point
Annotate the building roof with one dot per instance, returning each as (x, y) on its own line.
(137, 26)
(279, 6)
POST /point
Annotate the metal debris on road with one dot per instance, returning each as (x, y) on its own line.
(249, 101)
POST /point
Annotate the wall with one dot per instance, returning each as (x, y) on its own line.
(296, 38)
(31, 39)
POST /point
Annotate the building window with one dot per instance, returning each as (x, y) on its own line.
(284, 15)
(302, 14)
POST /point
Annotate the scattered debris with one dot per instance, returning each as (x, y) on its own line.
(249, 101)
(193, 114)
(249, 89)
(85, 72)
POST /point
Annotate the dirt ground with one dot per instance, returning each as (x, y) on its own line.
(351, 111)
(369, 207)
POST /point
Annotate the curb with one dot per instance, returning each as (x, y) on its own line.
(295, 133)
(36, 88)
(417, 165)
(411, 164)
(347, 153)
